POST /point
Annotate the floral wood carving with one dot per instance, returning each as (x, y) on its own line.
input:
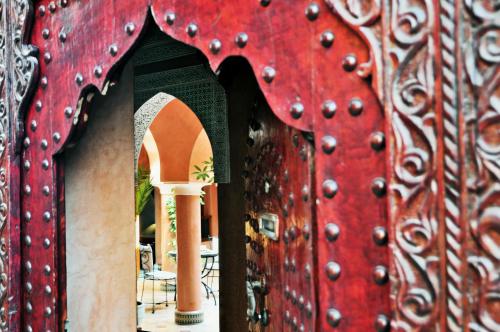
(481, 107)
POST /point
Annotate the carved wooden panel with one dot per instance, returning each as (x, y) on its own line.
(424, 73)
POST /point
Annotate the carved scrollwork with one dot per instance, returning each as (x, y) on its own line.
(410, 82)
(3, 184)
(482, 113)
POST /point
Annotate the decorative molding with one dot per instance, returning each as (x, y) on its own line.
(409, 55)
(481, 107)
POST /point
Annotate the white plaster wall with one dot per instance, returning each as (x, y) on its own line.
(100, 233)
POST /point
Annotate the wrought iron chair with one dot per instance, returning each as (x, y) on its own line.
(154, 275)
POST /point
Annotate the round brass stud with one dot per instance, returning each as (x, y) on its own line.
(27, 165)
(47, 312)
(378, 187)
(379, 235)
(46, 243)
(27, 190)
(113, 49)
(56, 137)
(47, 270)
(98, 71)
(355, 106)
(382, 323)
(33, 125)
(296, 110)
(333, 317)
(48, 290)
(268, 74)
(330, 188)
(328, 109)
(377, 140)
(328, 144)
(129, 28)
(192, 30)
(29, 307)
(44, 144)
(312, 11)
(45, 164)
(52, 7)
(307, 271)
(64, 3)
(28, 267)
(27, 216)
(79, 78)
(332, 270)
(38, 105)
(47, 57)
(241, 39)
(44, 82)
(45, 33)
(380, 275)
(306, 231)
(28, 328)
(62, 36)
(332, 232)
(349, 62)
(46, 190)
(308, 309)
(305, 193)
(327, 39)
(170, 18)
(46, 216)
(68, 111)
(41, 10)
(27, 240)
(215, 46)
(28, 286)
(26, 142)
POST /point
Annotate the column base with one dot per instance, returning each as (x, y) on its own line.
(188, 317)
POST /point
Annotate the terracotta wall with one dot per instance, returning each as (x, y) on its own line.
(100, 233)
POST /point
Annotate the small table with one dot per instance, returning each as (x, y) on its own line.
(208, 265)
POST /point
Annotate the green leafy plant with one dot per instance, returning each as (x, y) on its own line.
(172, 217)
(143, 190)
(205, 171)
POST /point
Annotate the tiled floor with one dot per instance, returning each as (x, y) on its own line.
(163, 319)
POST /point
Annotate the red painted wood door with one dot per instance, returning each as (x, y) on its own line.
(400, 97)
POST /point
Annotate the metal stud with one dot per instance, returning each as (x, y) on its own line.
(379, 235)
(27, 216)
(305, 193)
(312, 11)
(355, 106)
(27, 165)
(113, 49)
(52, 7)
(349, 62)
(98, 71)
(56, 137)
(307, 271)
(28, 328)
(79, 78)
(328, 109)
(34, 125)
(192, 30)
(129, 28)
(45, 33)
(378, 187)
(241, 39)
(215, 46)
(41, 10)
(47, 311)
(308, 309)
(46, 190)
(44, 82)
(27, 190)
(332, 270)
(377, 141)
(68, 111)
(46, 216)
(48, 290)
(265, 3)
(333, 317)
(328, 144)
(380, 275)
(38, 105)
(26, 142)
(28, 267)
(382, 323)
(332, 231)
(47, 57)
(29, 307)
(268, 74)
(330, 188)
(47, 270)
(44, 144)
(62, 36)
(28, 286)
(170, 18)
(327, 39)
(27, 240)
(297, 110)
(64, 3)
(45, 164)
(306, 231)
(46, 243)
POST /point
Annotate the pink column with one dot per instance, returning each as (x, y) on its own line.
(188, 255)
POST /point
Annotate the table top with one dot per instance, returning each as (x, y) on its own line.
(204, 253)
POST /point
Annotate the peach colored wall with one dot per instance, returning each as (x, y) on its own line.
(143, 161)
(201, 151)
(175, 130)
